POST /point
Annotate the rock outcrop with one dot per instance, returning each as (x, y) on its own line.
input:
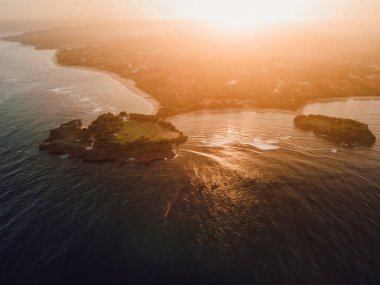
(108, 139)
(343, 131)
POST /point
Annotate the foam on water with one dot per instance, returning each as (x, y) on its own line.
(85, 99)
(265, 144)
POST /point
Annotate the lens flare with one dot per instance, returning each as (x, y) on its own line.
(243, 13)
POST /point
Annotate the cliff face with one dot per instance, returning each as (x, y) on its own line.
(342, 131)
(113, 138)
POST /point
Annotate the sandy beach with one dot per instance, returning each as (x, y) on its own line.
(131, 85)
(128, 83)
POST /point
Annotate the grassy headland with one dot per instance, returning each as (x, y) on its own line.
(141, 137)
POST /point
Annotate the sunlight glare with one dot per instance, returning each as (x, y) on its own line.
(239, 14)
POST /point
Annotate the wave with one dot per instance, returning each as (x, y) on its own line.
(265, 144)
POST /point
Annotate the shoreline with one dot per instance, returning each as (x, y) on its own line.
(128, 83)
(238, 109)
(297, 112)
(131, 85)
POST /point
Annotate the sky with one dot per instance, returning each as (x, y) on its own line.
(219, 10)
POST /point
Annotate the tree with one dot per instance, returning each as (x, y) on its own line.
(123, 114)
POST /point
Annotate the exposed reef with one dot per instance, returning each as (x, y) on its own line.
(343, 131)
(142, 138)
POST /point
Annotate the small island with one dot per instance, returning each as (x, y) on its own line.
(343, 131)
(142, 138)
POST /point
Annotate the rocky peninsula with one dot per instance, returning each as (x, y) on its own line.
(142, 138)
(343, 131)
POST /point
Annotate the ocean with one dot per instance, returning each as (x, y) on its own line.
(249, 199)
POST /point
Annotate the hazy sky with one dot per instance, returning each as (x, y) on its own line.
(359, 10)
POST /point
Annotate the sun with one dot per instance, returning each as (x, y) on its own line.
(240, 14)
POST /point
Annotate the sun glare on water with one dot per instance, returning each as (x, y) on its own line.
(241, 14)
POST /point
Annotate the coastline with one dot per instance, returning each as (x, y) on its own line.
(237, 109)
(299, 111)
(131, 85)
(128, 83)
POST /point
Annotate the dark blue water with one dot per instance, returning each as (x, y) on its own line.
(248, 200)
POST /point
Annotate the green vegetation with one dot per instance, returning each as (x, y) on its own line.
(105, 127)
(137, 128)
(187, 71)
(343, 131)
(134, 130)
(112, 137)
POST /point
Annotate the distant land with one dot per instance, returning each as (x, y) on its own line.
(187, 66)
(142, 138)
